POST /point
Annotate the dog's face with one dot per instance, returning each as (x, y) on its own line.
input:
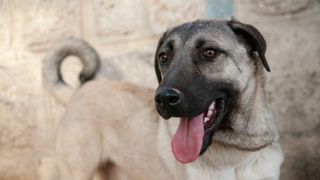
(203, 67)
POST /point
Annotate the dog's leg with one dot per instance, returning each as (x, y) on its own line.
(78, 150)
(109, 171)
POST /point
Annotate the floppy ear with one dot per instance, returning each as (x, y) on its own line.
(156, 64)
(254, 38)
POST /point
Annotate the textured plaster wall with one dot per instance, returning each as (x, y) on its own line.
(125, 33)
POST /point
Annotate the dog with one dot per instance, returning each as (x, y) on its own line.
(207, 119)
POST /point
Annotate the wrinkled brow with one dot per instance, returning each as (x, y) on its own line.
(170, 43)
(209, 39)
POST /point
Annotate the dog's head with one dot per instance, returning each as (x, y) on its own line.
(202, 68)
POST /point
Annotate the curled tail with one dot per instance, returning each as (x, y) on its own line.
(51, 73)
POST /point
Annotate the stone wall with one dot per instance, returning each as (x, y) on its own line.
(125, 34)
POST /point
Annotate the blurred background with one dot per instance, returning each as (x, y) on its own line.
(125, 33)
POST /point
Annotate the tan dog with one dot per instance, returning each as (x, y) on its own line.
(211, 87)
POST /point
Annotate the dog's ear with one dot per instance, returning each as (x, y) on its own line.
(254, 38)
(156, 64)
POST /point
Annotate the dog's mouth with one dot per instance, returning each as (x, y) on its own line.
(194, 135)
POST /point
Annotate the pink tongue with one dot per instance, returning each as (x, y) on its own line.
(186, 143)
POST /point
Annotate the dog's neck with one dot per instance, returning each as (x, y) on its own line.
(252, 124)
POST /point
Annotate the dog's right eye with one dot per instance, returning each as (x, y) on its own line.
(209, 53)
(163, 58)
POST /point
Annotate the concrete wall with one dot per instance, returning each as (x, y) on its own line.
(125, 33)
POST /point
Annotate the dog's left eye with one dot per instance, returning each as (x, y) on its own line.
(209, 53)
(163, 58)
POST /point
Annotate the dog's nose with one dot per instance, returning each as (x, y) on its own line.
(167, 97)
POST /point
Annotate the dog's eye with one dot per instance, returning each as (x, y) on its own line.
(163, 58)
(209, 53)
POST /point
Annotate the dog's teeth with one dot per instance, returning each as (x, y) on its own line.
(209, 113)
(211, 107)
(206, 119)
